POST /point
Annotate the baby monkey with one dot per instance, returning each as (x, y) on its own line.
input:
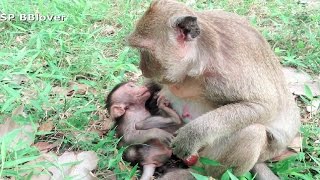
(145, 122)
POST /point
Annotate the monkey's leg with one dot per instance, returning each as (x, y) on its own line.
(240, 151)
(148, 171)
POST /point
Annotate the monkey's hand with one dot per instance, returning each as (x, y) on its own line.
(162, 102)
(165, 137)
(186, 142)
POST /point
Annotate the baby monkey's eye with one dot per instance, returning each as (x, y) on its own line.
(131, 85)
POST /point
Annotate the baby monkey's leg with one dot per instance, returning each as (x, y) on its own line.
(148, 171)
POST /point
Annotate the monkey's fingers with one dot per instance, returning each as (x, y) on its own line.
(167, 140)
(183, 147)
(180, 152)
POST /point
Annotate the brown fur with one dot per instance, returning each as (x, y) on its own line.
(243, 113)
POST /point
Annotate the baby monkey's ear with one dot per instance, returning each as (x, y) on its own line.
(117, 110)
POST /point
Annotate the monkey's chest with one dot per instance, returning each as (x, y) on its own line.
(188, 109)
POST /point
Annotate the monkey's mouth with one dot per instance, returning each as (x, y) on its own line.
(145, 93)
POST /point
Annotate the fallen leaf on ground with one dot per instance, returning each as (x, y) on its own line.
(73, 88)
(293, 148)
(80, 88)
(25, 133)
(45, 146)
(28, 94)
(47, 126)
(133, 76)
(16, 79)
(103, 125)
(122, 166)
(109, 175)
(297, 80)
(57, 90)
(296, 144)
(108, 30)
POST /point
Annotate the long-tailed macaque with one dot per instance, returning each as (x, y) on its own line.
(148, 145)
(240, 111)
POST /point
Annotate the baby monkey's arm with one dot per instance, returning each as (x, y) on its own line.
(160, 121)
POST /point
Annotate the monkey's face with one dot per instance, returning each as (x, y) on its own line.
(166, 38)
(130, 93)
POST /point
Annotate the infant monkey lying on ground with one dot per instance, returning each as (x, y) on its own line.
(145, 122)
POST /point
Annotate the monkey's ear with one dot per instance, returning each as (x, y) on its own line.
(188, 26)
(117, 110)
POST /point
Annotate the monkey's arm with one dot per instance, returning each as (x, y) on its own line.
(159, 121)
(142, 136)
(220, 122)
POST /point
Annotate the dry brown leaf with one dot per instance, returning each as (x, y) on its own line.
(293, 148)
(47, 126)
(28, 94)
(296, 144)
(80, 88)
(18, 111)
(25, 133)
(108, 30)
(103, 125)
(285, 154)
(16, 79)
(57, 90)
(21, 39)
(133, 76)
(306, 118)
(44, 146)
(109, 175)
(122, 166)
(297, 80)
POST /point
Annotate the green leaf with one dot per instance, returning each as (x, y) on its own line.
(198, 169)
(209, 162)
(133, 171)
(12, 164)
(305, 100)
(232, 177)
(199, 176)
(308, 92)
(246, 175)
(300, 45)
(225, 176)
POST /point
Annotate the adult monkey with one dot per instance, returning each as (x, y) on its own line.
(241, 111)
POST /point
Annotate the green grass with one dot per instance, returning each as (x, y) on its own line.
(89, 48)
